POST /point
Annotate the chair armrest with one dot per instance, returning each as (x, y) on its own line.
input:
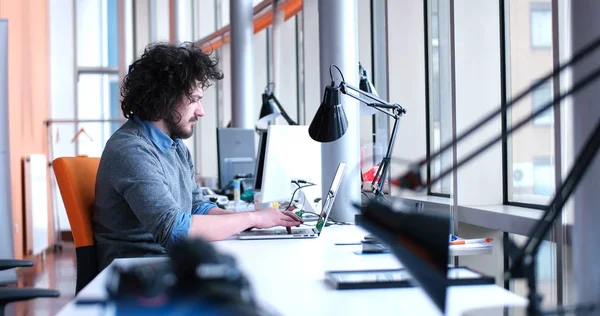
(11, 263)
(13, 294)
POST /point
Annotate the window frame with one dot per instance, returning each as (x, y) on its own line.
(504, 39)
(428, 51)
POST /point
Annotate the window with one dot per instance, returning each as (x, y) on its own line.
(541, 25)
(530, 178)
(543, 176)
(545, 272)
(439, 119)
(539, 98)
(97, 71)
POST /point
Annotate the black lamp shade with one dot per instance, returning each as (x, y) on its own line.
(268, 111)
(330, 122)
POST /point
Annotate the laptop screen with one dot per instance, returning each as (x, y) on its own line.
(331, 194)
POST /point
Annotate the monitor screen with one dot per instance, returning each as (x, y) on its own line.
(235, 151)
(290, 154)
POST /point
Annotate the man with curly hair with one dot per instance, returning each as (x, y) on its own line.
(146, 197)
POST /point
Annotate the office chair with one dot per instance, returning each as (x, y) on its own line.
(76, 178)
(12, 263)
(13, 294)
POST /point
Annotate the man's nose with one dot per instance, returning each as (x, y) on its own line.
(199, 110)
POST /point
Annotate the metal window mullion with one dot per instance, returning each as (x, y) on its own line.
(219, 54)
(301, 107)
(503, 12)
(75, 74)
(121, 40)
(428, 60)
(453, 210)
(97, 70)
(380, 74)
(558, 225)
(152, 19)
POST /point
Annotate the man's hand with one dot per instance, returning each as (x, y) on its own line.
(272, 217)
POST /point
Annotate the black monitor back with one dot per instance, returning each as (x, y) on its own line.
(260, 161)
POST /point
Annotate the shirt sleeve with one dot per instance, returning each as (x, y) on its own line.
(180, 231)
(138, 176)
(203, 208)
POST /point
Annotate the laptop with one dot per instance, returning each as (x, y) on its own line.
(302, 232)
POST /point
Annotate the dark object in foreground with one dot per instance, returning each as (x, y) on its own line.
(420, 241)
(197, 280)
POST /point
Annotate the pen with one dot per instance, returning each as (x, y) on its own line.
(471, 241)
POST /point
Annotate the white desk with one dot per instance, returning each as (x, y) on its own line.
(273, 266)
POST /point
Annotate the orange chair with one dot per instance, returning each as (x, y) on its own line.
(76, 178)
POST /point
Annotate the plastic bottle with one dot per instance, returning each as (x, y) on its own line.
(236, 192)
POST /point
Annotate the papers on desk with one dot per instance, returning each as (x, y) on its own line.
(460, 243)
(472, 246)
(469, 247)
(472, 249)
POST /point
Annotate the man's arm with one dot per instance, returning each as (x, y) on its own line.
(219, 211)
(218, 227)
(209, 208)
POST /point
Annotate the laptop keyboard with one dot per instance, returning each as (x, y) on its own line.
(297, 231)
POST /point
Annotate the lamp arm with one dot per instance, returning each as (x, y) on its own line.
(379, 103)
(283, 113)
(409, 180)
(554, 209)
(524, 258)
(590, 48)
(384, 166)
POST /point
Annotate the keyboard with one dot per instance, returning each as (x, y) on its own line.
(295, 231)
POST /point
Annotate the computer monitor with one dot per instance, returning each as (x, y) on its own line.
(235, 151)
(260, 160)
(290, 154)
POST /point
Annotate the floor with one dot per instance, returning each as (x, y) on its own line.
(57, 270)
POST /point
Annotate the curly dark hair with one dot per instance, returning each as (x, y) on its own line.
(163, 75)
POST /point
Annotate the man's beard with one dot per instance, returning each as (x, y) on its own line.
(179, 131)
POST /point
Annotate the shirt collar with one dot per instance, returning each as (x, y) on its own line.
(158, 137)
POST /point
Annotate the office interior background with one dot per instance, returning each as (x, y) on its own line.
(449, 63)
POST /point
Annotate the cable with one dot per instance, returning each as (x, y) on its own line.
(331, 74)
(294, 193)
(366, 195)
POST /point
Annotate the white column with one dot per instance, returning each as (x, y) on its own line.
(6, 232)
(586, 112)
(242, 87)
(338, 40)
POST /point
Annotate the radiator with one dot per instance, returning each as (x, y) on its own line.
(36, 201)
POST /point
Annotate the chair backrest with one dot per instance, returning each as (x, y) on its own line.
(76, 178)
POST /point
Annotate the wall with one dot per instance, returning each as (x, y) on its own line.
(407, 79)
(6, 245)
(28, 86)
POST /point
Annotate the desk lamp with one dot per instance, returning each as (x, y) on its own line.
(523, 259)
(366, 86)
(270, 110)
(330, 122)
